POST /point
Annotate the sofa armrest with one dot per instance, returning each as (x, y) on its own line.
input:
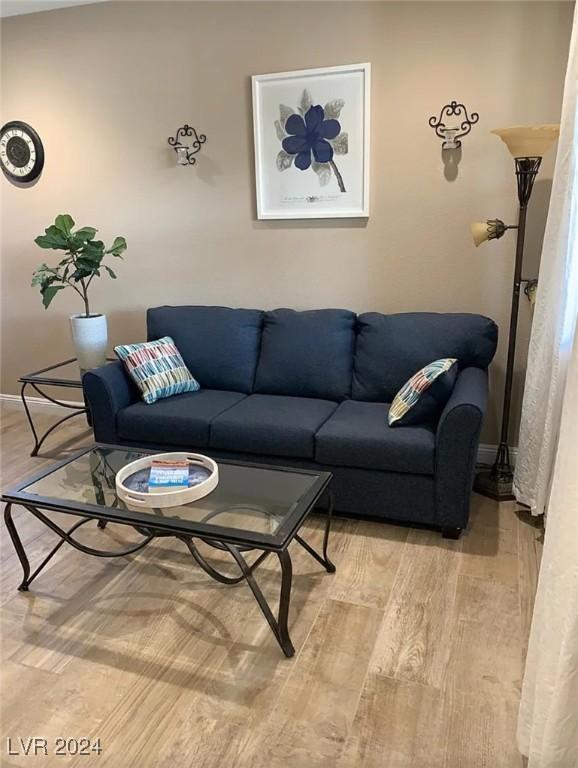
(107, 390)
(457, 439)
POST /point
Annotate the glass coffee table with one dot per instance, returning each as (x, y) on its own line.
(253, 508)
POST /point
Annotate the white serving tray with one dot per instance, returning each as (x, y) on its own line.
(139, 499)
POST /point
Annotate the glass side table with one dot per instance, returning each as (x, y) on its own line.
(65, 374)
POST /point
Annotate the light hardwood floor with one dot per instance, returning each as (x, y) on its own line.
(409, 656)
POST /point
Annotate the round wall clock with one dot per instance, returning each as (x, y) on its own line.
(21, 151)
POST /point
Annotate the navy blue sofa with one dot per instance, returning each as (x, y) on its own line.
(312, 389)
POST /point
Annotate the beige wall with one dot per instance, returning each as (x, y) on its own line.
(105, 85)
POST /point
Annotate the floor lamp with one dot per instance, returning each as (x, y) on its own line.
(527, 145)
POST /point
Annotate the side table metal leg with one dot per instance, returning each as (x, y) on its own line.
(76, 409)
(17, 546)
(29, 417)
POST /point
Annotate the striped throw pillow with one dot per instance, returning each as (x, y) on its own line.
(157, 368)
(423, 397)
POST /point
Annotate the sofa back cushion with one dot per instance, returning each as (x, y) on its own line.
(220, 346)
(307, 354)
(391, 348)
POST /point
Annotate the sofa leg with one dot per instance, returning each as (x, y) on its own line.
(451, 533)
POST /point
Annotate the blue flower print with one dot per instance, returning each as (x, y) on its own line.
(311, 138)
(309, 135)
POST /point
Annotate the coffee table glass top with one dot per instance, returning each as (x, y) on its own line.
(249, 501)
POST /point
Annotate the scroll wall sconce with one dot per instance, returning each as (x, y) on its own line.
(460, 126)
(186, 150)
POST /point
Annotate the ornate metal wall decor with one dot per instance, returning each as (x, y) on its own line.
(186, 151)
(451, 134)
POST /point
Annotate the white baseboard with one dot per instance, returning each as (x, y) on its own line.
(486, 453)
(36, 401)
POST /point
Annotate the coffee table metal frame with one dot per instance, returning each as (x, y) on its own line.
(232, 540)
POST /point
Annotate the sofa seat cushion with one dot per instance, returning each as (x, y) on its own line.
(271, 424)
(180, 420)
(357, 435)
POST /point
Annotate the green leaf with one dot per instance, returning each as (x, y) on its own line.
(85, 233)
(50, 279)
(118, 246)
(87, 265)
(75, 244)
(80, 274)
(48, 293)
(94, 246)
(110, 272)
(45, 277)
(55, 232)
(92, 257)
(39, 275)
(64, 223)
(51, 241)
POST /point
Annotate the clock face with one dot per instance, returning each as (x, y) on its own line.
(21, 151)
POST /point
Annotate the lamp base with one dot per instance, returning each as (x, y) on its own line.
(494, 486)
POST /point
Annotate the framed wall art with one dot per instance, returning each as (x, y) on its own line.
(312, 142)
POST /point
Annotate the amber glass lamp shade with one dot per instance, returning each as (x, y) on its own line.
(492, 229)
(528, 140)
(479, 232)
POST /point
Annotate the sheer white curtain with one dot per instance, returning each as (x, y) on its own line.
(546, 475)
(548, 720)
(555, 313)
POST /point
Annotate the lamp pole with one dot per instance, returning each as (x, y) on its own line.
(497, 483)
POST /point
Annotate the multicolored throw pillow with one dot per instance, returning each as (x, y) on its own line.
(157, 368)
(424, 395)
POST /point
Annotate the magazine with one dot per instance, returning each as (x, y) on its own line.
(168, 476)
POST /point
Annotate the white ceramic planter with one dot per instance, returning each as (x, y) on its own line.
(90, 338)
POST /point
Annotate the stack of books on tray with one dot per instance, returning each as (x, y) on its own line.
(168, 476)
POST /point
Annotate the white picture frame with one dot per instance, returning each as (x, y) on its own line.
(296, 117)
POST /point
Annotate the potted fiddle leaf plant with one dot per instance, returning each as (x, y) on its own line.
(83, 260)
